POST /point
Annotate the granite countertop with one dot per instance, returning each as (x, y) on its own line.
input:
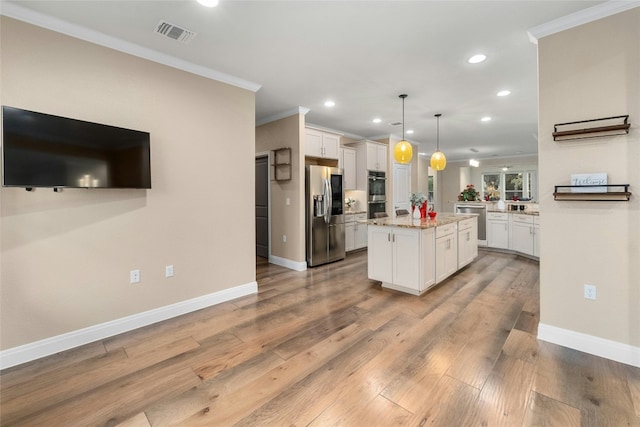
(409, 222)
(518, 212)
(349, 212)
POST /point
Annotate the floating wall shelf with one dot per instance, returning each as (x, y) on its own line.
(583, 193)
(607, 126)
(281, 164)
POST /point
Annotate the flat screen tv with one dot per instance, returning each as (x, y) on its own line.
(43, 150)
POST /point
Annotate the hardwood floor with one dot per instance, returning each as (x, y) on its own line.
(328, 347)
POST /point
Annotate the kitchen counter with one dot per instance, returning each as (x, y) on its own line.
(518, 212)
(423, 223)
(353, 212)
(412, 255)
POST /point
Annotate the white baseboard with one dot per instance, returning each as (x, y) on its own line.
(601, 347)
(283, 262)
(48, 346)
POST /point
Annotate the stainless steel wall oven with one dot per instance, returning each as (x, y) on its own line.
(376, 193)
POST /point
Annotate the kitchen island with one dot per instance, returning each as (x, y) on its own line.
(412, 255)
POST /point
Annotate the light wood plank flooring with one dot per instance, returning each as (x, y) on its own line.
(328, 347)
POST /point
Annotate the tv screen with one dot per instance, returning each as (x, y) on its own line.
(42, 150)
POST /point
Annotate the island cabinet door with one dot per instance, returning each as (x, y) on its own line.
(380, 254)
(467, 242)
(406, 258)
(446, 256)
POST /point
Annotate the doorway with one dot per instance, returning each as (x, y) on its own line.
(262, 206)
(401, 187)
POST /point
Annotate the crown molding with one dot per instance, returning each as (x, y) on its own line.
(20, 13)
(580, 17)
(323, 129)
(284, 114)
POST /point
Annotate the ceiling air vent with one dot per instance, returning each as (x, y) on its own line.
(395, 123)
(174, 32)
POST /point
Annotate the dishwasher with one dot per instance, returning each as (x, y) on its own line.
(481, 211)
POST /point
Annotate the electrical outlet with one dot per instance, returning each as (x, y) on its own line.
(284, 238)
(168, 271)
(590, 291)
(134, 276)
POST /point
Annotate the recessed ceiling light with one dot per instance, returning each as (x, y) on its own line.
(329, 103)
(208, 3)
(474, 163)
(377, 120)
(422, 154)
(486, 119)
(409, 131)
(477, 58)
(504, 93)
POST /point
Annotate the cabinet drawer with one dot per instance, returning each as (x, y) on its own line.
(523, 219)
(498, 216)
(361, 216)
(464, 225)
(349, 218)
(445, 230)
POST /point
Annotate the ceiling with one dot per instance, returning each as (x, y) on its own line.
(362, 55)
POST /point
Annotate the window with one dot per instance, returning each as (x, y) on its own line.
(515, 183)
(430, 191)
(491, 186)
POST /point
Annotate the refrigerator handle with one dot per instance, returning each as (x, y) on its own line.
(327, 201)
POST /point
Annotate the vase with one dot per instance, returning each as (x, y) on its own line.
(423, 210)
(416, 212)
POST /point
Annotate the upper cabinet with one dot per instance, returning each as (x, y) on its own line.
(348, 164)
(321, 144)
(371, 156)
(376, 157)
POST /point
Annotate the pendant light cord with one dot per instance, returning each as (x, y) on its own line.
(403, 119)
(403, 96)
(438, 131)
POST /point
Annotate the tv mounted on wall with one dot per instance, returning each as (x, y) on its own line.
(43, 150)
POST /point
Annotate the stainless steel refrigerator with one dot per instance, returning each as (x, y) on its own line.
(324, 215)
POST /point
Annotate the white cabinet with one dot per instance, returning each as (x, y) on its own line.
(525, 234)
(467, 241)
(370, 156)
(446, 251)
(360, 234)
(536, 236)
(380, 254)
(498, 230)
(376, 157)
(401, 258)
(355, 234)
(321, 144)
(522, 234)
(348, 164)
(349, 232)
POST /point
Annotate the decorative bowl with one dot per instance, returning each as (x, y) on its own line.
(432, 215)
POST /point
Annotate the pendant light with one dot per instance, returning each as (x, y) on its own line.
(438, 160)
(403, 151)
